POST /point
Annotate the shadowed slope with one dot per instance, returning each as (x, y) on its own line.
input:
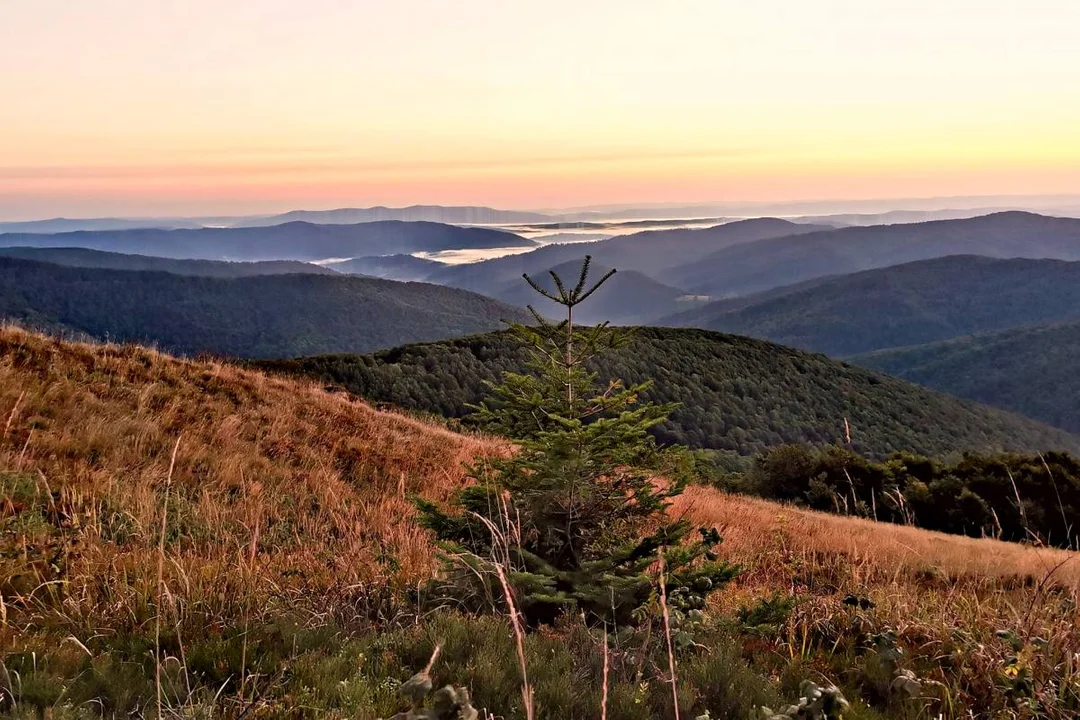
(907, 304)
(264, 316)
(82, 257)
(1028, 370)
(748, 268)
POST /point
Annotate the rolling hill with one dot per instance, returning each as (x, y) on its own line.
(290, 241)
(648, 253)
(82, 257)
(263, 316)
(620, 224)
(908, 304)
(736, 394)
(748, 268)
(628, 297)
(1028, 370)
(389, 267)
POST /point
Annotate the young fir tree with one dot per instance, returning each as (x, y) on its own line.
(576, 516)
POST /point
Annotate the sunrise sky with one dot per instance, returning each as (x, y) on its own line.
(142, 107)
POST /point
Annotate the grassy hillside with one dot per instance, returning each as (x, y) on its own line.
(82, 257)
(282, 496)
(289, 545)
(736, 394)
(1029, 370)
(906, 304)
(266, 316)
(291, 241)
(743, 269)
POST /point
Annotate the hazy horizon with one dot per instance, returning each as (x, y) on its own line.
(834, 206)
(198, 108)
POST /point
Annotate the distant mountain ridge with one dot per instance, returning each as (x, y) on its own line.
(898, 217)
(648, 252)
(291, 241)
(82, 257)
(753, 267)
(261, 316)
(468, 215)
(907, 304)
(58, 225)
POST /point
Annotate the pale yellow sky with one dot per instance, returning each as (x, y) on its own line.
(141, 107)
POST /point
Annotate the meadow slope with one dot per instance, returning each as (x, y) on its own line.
(285, 497)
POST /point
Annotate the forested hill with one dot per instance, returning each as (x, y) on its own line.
(736, 393)
(1029, 370)
(264, 316)
(630, 297)
(908, 304)
(291, 241)
(82, 257)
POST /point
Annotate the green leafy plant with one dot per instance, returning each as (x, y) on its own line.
(768, 615)
(817, 702)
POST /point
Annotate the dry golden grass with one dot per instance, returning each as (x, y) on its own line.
(945, 599)
(319, 482)
(313, 483)
(758, 532)
(286, 494)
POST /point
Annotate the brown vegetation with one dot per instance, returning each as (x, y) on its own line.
(304, 488)
(286, 495)
(758, 534)
(978, 620)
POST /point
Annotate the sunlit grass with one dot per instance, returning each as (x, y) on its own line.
(290, 552)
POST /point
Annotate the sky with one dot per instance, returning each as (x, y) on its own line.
(206, 107)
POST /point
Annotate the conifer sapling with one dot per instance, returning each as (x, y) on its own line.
(577, 514)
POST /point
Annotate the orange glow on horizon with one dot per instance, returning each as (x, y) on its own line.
(122, 108)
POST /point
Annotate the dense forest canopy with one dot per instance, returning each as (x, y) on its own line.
(908, 304)
(1007, 496)
(735, 394)
(1028, 370)
(264, 317)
